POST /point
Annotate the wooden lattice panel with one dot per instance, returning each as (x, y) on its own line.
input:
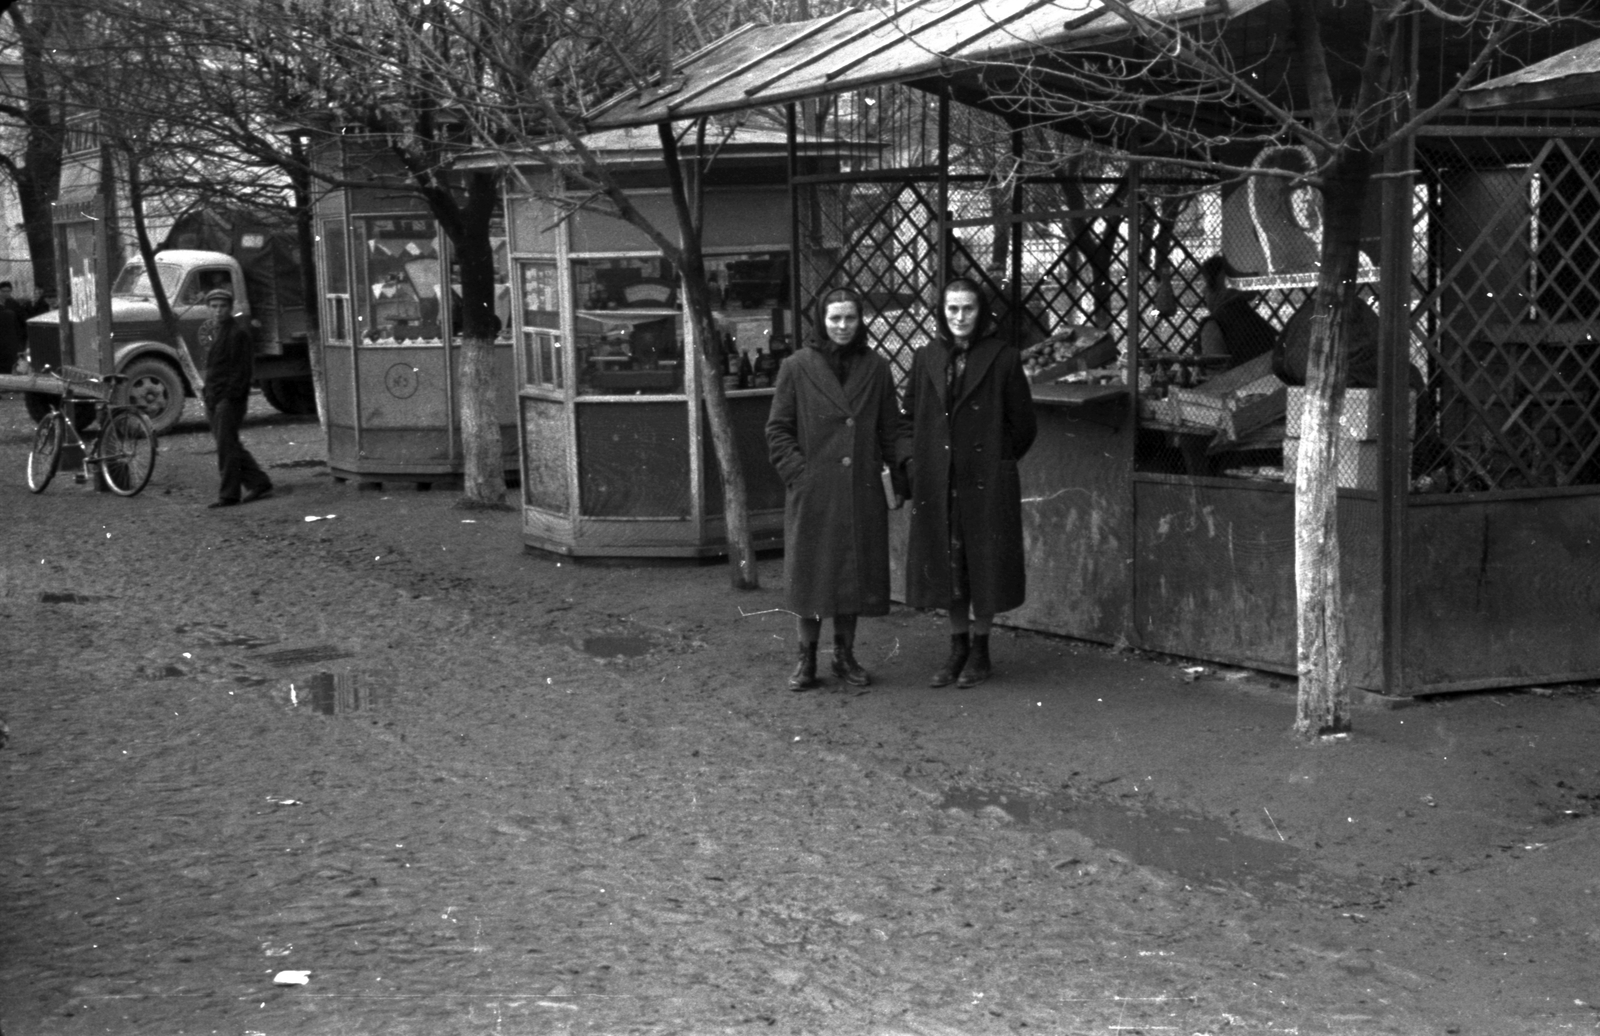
(1507, 317)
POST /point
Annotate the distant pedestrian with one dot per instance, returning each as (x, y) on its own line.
(230, 367)
(972, 416)
(833, 426)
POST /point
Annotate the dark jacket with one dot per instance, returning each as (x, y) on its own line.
(1247, 332)
(829, 443)
(230, 359)
(972, 443)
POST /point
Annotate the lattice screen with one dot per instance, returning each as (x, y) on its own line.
(1504, 329)
(881, 240)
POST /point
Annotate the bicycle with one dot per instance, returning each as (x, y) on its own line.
(122, 456)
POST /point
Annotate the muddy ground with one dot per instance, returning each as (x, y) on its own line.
(470, 789)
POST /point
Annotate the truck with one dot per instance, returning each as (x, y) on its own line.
(256, 258)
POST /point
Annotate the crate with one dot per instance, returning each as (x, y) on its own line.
(1357, 466)
(1359, 421)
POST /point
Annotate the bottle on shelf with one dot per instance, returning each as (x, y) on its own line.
(730, 362)
(746, 371)
(766, 369)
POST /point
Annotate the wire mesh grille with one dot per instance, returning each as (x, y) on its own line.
(1508, 298)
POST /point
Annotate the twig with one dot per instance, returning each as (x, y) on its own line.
(1274, 824)
(767, 611)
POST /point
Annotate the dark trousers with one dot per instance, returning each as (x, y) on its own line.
(239, 470)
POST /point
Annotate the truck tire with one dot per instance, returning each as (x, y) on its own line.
(294, 396)
(156, 388)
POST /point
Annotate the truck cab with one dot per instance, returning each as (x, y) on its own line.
(162, 374)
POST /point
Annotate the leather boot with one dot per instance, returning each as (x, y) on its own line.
(959, 647)
(804, 676)
(978, 669)
(845, 666)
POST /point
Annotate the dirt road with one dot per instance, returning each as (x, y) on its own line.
(467, 789)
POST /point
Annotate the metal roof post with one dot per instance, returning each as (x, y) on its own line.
(945, 215)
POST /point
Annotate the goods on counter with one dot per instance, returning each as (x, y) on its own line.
(1074, 349)
(1234, 404)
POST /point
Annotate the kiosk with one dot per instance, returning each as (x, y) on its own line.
(617, 458)
(390, 364)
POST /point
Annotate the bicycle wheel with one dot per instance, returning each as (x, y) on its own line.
(125, 451)
(45, 457)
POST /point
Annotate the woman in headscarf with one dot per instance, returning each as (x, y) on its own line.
(972, 417)
(834, 424)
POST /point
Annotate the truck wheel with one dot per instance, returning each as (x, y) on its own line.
(291, 395)
(155, 388)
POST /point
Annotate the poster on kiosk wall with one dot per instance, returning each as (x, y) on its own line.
(85, 223)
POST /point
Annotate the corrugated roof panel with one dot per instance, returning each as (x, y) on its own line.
(1568, 79)
(778, 63)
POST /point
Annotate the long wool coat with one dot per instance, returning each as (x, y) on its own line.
(829, 443)
(972, 443)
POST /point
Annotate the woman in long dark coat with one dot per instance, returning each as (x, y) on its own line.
(834, 424)
(972, 418)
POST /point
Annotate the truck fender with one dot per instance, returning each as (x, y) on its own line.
(179, 358)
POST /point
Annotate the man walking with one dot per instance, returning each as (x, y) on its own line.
(230, 366)
(972, 415)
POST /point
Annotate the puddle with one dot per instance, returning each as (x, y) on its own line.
(67, 599)
(1198, 849)
(335, 694)
(301, 656)
(616, 646)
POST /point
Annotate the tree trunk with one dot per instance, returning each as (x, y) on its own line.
(483, 452)
(38, 178)
(305, 240)
(700, 334)
(1323, 703)
(147, 252)
(483, 459)
(699, 339)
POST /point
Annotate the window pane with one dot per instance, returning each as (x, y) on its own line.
(629, 329)
(401, 275)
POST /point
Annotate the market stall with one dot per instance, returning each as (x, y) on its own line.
(1159, 497)
(390, 291)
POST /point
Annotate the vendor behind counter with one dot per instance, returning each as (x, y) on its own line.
(1232, 328)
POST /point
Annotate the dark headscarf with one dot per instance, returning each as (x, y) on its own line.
(840, 357)
(981, 328)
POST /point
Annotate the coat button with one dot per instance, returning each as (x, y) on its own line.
(849, 422)
(845, 461)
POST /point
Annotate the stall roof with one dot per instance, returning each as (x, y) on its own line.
(640, 145)
(1570, 79)
(758, 65)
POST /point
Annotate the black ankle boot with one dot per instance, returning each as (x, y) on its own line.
(977, 669)
(804, 676)
(959, 645)
(845, 666)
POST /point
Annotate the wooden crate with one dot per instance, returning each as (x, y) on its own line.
(1359, 421)
(1357, 466)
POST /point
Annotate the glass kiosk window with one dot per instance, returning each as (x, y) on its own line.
(401, 272)
(542, 362)
(628, 325)
(629, 322)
